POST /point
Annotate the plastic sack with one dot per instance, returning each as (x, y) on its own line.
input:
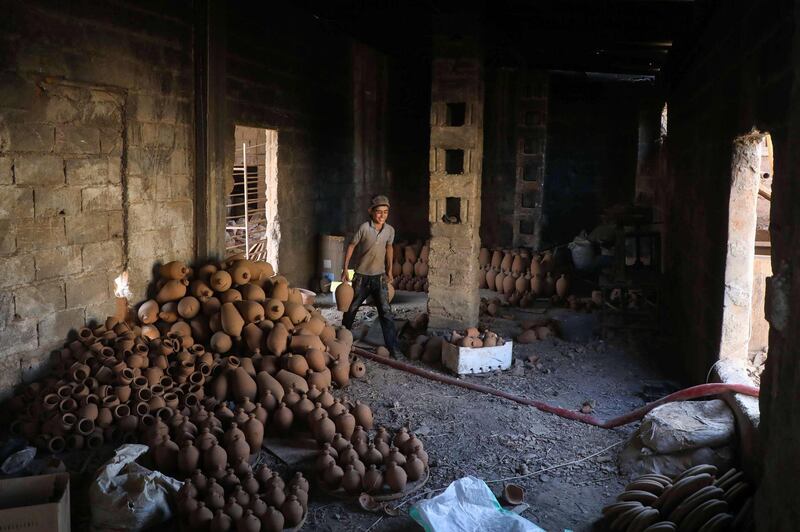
(126, 496)
(468, 505)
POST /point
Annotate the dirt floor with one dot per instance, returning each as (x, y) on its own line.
(469, 433)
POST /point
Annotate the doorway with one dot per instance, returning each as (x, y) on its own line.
(251, 220)
(745, 330)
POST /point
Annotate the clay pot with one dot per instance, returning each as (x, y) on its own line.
(395, 477)
(508, 285)
(148, 312)
(221, 522)
(344, 296)
(498, 281)
(517, 265)
(562, 286)
(527, 337)
(280, 290)
(289, 379)
(201, 518)
(484, 257)
(220, 281)
(521, 284)
(214, 459)
(254, 433)
(351, 481)
(282, 418)
(165, 455)
(340, 373)
(537, 284)
(278, 340)
(272, 520)
(187, 459)
(513, 494)
(296, 364)
(363, 415)
(345, 424)
(332, 476)
(358, 369)
(324, 429)
(373, 480)
(172, 290)
(237, 448)
(248, 522)
(414, 468)
(266, 383)
(242, 385)
(292, 511)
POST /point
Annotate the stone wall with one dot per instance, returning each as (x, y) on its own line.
(95, 152)
(741, 75)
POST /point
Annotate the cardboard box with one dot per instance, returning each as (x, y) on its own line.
(35, 504)
(463, 360)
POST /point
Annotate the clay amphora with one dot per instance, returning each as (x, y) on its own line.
(482, 283)
(220, 281)
(562, 286)
(498, 281)
(351, 481)
(497, 259)
(214, 459)
(344, 296)
(233, 509)
(272, 520)
(221, 342)
(148, 312)
(231, 321)
(221, 522)
(282, 418)
(522, 284)
(345, 424)
(242, 385)
(165, 455)
(373, 480)
(326, 399)
(340, 373)
(215, 501)
(248, 522)
(200, 518)
(172, 290)
(315, 359)
(491, 276)
(395, 477)
(253, 433)
(169, 312)
(289, 379)
(292, 511)
(332, 476)
(237, 447)
(537, 284)
(508, 259)
(174, 270)
(372, 455)
(363, 415)
(517, 265)
(414, 468)
(278, 340)
(302, 408)
(324, 429)
(484, 257)
(296, 364)
(508, 285)
(188, 458)
(267, 383)
(188, 307)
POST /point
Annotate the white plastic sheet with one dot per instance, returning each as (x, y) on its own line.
(468, 505)
(128, 497)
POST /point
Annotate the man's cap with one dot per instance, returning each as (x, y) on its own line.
(378, 201)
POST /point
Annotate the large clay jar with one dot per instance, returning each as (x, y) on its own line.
(536, 265)
(172, 290)
(490, 278)
(282, 418)
(188, 307)
(174, 270)
(396, 477)
(232, 322)
(280, 291)
(498, 282)
(562, 286)
(278, 340)
(522, 284)
(148, 312)
(237, 448)
(272, 520)
(220, 281)
(214, 459)
(345, 424)
(200, 518)
(363, 415)
(508, 259)
(421, 268)
(297, 364)
(351, 481)
(344, 296)
(188, 458)
(516, 265)
(537, 285)
(292, 511)
(242, 385)
(484, 257)
(414, 468)
(508, 285)
(221, 342)
(324, 429)
(497, 259)
(340, 373)
(332, 476)
(165, 455)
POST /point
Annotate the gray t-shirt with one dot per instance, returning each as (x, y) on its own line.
(370, 251)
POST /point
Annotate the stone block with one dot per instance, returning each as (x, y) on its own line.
(114, 169)
(39, 170)
(179, 162)
(19, 335)
(87, 289)
(98, 312)
(103, 256)
(17, 270)
(39, 234)
(141, 217)
(30, 137)
(57, 201)
(58, 262)
(6, 308)
(35, 365)
(150, 108)
(111, 142)
(16, 202)
(87, 171)
(6, 170)
(37, 300)
(86, 227)
(108, 198)
(150, 160)
(77, 139)
(116, 224)
(142, 188)
(54, 328)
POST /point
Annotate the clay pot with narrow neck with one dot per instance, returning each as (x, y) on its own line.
(373, 480)
(363, 415)
(172, 290)
(517, 265)
(345, 424)
(272, 520)
(395, 477)
(562, 286)
(508, 285)
(242, 385)
(253, 335)
(324, 429)
(344, 295)
(351, 480)
(254, 433)
(282, 418)
(340, 373)
(498, 281)
(537, 284)
(484, 257)
(188, 458)
(522, 284)
(278, 340)
(148, 312)
(231, 321)
(220, 281)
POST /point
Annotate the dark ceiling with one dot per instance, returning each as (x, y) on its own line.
(615, 36)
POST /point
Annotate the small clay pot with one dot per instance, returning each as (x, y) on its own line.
(395, 477)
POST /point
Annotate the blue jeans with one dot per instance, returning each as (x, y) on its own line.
(377, 287)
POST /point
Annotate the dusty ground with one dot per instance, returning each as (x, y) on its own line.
(468, 433)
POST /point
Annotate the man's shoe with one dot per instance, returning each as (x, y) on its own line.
(396, 353)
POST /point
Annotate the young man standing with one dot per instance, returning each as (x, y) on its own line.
(373, 246)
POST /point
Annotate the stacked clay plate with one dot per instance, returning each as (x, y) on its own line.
(697, 500)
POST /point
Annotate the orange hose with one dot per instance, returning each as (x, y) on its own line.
(693, 392)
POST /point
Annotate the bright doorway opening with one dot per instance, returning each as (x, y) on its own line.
(252, 226)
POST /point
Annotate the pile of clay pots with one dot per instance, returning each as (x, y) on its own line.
(428, 349)
(535, 330)
(410, 267)
(383, 464)
(696, 500)
(243, 500)
(521, 276)
(472, 337)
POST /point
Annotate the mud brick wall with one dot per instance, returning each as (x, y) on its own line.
(743, 74)
(95, 153)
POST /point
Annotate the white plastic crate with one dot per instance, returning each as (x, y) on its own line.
(463, 360)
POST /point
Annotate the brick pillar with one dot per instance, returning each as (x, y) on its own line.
(456, 154)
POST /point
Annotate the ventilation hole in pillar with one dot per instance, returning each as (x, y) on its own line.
(452, 214)
(454, 161)
(456, 114)
(530, 172)
(531, 118)
(526, 227)
(530, 145)
(529, 200)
